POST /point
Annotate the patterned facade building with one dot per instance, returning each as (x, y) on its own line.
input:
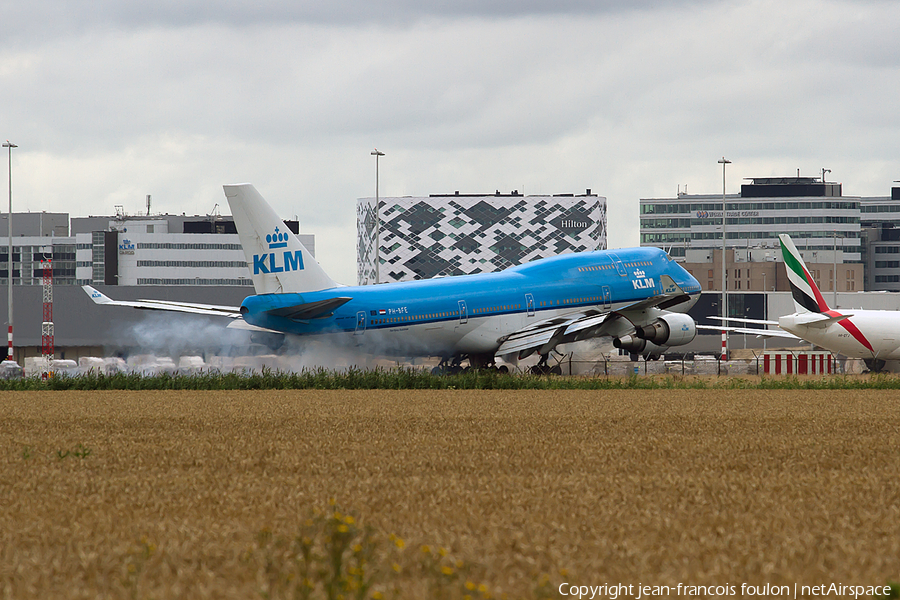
(462, 234)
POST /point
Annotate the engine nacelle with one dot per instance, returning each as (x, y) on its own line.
(634, 345)
(670, 329)
(629, 343)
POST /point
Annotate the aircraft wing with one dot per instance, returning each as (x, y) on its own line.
(536, 335)
(584, 324)
(232, 312)
(766, 333)
(742, 320)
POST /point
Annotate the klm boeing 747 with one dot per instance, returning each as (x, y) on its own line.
(637, 296)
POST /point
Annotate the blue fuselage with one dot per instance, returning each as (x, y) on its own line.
(451, 309)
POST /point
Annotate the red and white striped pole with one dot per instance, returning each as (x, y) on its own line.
(724, 345)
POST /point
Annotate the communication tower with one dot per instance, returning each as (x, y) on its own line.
(47, 349)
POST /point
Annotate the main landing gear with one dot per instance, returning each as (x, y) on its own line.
(542, 368)
(453, 364)
(875, 365)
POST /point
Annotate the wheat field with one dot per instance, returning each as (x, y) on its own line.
(418, 494)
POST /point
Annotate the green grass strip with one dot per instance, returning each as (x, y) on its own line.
(416, 379)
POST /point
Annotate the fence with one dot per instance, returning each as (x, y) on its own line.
(780, 362)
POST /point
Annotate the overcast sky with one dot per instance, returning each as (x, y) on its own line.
(110, 101)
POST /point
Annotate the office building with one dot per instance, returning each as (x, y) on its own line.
(824, 224)
(459, 234)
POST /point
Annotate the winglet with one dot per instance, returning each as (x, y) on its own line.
(807, 297)
(97, 296)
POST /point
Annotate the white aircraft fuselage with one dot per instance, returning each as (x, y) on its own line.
(862, 334)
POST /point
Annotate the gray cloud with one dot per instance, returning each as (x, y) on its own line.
(39, 18)
(111, 105)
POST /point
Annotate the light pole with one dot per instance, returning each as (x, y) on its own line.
(9, 353)
(377, 154)
(834, 268)
(724, 161)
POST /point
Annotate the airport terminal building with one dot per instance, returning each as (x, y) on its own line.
(852, 242)
(880, 230)
(459, 234)
(815, 214)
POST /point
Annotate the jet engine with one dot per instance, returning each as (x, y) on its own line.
(670, 329)
(635, 345)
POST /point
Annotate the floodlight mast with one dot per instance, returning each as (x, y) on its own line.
(377, 154)
(724, 161)
(9, 355)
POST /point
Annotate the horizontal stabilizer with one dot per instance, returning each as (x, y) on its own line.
(99, 297)
(310, 310)
(245, 326)
(819, 319)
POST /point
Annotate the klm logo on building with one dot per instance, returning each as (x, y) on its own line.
(277, 262)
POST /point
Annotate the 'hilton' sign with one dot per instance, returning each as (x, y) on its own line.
(572, 224)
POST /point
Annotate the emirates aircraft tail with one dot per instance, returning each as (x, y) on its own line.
(807, 297)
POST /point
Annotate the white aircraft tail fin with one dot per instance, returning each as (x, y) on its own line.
(807, 297)
(278, 262)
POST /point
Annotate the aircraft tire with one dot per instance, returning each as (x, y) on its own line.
(875, 365)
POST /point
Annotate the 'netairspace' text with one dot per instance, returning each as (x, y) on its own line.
(612, 591)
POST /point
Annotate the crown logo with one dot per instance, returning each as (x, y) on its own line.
(276, 240)
(639, 273)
